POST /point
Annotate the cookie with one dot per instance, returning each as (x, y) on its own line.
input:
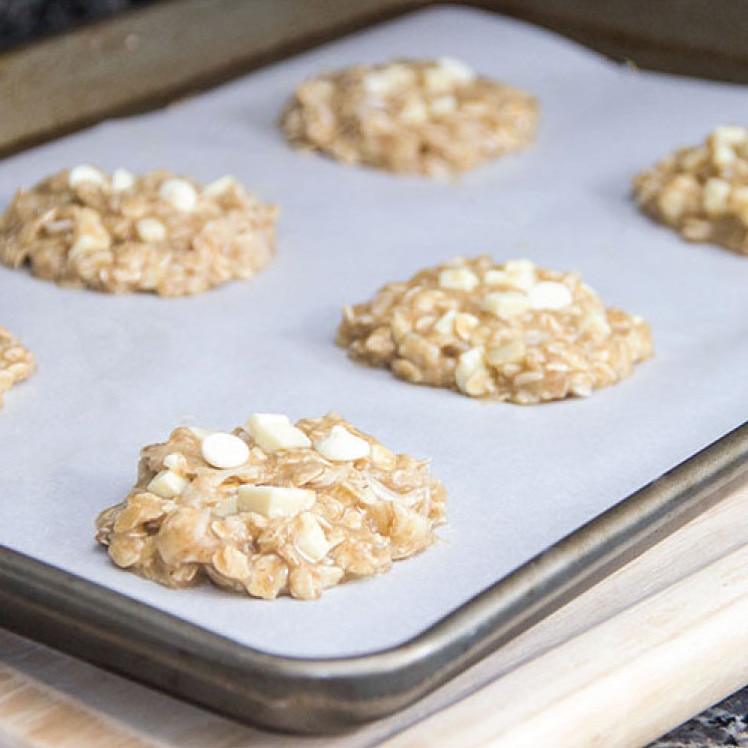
(514, 332)
(122, 233)
(702, 191)
(16, 362)
(428, 117)
(272, 508)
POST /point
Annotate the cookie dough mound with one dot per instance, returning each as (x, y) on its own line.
(121, 233)
(432, 117)
(702, 192)
(16, 362)
(272, 508)
(513, 332)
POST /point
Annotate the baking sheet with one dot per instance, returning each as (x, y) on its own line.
(116, 373)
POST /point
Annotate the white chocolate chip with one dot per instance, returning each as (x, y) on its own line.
(443, 105)
(87, 243)
(150, 230)
(167, 484)
(274, 431)
(85, 173)
(122, 180)
(506, 304)
(550, 295)
(595, 323)
(220, 186)
(179, 193)
(274, 501)
(724, 155)
(461, 279)
(458, 70)
(340, 445)
(224, 451)
(310, 540)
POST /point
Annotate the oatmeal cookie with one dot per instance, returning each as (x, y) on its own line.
(272, 508)
(16, 362)
(702, 191)
(431, 117)
(122, 233)
(513, 332)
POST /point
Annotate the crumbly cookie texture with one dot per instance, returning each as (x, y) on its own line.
(272, 508)
(16, 362)
(513, 332)
(702, 192)
(120, 233)
(431, 117)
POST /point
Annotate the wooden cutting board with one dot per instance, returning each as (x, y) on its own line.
(652, 645)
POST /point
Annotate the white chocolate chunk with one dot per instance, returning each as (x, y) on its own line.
(460, 279)
(550, 295)
(167, 484)
(224, 451)
(174, 461)
(274, 431)
(716, 195)
(506, 304)
(275, 501)
(340, 445)
(85, 173)
(179, 193)
(89, 243)
(220, 186)
(731, 134)
(122, 180)
(457, 69)
(150, 230)
(470, 363)
(311, 541)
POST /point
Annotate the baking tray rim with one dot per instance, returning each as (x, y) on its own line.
(329, 695)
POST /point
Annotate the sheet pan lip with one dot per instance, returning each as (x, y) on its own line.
(50, 604)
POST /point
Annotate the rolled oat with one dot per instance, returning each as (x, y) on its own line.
(431, 117)
(288, 520)
(513, 332)
(702, 191)
(16, 362)
(123, 233)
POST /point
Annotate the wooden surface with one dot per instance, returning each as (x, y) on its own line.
(662, 639)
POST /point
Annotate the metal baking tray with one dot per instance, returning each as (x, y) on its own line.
(544, 501)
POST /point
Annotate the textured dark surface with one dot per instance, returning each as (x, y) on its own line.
(722, 725)
(23, 20)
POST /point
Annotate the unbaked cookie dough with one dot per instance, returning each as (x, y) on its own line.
(16, 362)
(432, 117)
(272, 508)
(513, 332)
(702, 192)
(121, 233)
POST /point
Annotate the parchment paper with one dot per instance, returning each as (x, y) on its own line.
(116, 373)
